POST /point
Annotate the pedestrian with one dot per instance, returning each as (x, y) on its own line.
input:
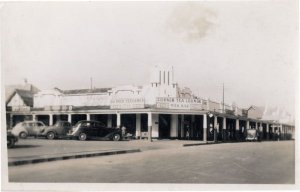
(123, 129)
(242, 135)
(211, 132)
(187, 134)
(215, 132)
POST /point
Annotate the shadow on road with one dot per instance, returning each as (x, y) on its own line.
(24, 146)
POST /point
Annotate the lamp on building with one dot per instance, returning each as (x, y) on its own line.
(210, 115)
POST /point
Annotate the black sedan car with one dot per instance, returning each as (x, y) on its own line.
(84, 130)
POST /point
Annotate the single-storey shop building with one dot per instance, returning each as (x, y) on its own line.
(158, 110)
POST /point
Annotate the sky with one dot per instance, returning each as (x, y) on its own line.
(250, 46)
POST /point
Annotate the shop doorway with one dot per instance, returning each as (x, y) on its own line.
(20, 118)
(144, 122)
(264, 132)
(164, 126)
(242, 130)
(210, 128)
(220, 132)
(100, 117)
(78, 117)
(129, 121)
(271, 132)
(230, 130)
(44, 119)
(187, 127)
(59, 118)
(198, 128)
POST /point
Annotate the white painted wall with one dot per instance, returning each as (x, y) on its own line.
(55, 98)
(213, 106)
(86, 100)
(174, 125)
(16, 101)
(50, 97)
(138, 125)
(155, 123)
(162, 84)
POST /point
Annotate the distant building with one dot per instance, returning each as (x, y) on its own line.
(275, 113)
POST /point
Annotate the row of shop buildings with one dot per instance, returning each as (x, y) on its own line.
(160, 110)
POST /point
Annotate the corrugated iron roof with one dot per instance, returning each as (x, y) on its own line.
(27, 96)
(84, 91)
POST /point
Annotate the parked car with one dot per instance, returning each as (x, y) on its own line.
(252, 135)
(28, 128)
(11, 140)
(94, 130)
(58, 130)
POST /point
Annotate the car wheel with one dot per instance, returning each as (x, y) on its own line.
(82, 136)
(23, 135)
(50, 135)
(10, 143)
(116, 137)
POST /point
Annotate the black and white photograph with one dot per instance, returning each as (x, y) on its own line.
(149, 95)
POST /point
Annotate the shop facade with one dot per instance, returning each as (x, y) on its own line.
(158, 110)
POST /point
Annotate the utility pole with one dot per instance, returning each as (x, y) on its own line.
(91, 83)
(223, 100)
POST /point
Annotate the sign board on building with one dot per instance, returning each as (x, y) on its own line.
(58, 108)
(127, 103)
(180, 103)
(20, 108)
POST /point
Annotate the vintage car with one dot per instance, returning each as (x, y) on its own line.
(28, 128)
(11, 140)
(84, 130)
(59, 130)
(252, 135)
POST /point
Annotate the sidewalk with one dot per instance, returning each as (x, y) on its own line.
(41, 150)
(64, 156)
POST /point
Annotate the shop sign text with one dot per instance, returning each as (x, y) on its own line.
(127, 103)
(179, 103)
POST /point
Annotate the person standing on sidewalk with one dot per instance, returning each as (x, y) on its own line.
(123, 129)
(277, 135)
(187, 134)
(216, 132)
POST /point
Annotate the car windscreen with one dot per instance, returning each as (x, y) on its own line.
(77, 124)
(40, 124)
(57, 124)
(66, 124)
(99, 124)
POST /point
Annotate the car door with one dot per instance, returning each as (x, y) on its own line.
(84, 127)
(30, 128)
(39, 126)
(65, 128)
(34, 128)
(101, 129)
(59, 129)
(95, 129)
(89, 129)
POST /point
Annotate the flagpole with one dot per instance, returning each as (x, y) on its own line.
(223, 100)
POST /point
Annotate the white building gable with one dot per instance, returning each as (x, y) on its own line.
(16, 101)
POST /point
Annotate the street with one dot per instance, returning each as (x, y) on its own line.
(227, 163)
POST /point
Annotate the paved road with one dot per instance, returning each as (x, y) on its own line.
(27, 148)
(252, 163)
